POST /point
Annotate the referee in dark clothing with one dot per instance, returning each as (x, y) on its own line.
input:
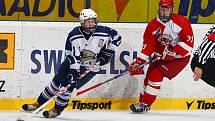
(203, 62)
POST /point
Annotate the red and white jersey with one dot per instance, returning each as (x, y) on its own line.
(179, 32)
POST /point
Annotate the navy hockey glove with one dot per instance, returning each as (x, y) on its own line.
(104, 56)
(73, 75)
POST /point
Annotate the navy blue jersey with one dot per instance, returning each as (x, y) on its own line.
(84, 51)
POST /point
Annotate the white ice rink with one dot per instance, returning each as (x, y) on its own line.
(194, 115)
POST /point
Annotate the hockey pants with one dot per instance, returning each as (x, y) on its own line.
(61, 80)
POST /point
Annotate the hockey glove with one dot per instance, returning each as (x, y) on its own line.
(95, 68)
(135, 68)
(104, 56)
(168, 53)
(71, 77)
(74, 74)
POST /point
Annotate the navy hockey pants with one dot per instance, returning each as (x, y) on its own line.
(60, 80)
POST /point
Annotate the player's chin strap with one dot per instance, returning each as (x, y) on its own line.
(115, 77)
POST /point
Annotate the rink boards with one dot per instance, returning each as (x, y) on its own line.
(95, 104)
(31, 53)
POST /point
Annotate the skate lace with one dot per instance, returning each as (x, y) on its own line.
(33, 106)
(141, 106)
(146, 108)
(53, 112)
(138, 106)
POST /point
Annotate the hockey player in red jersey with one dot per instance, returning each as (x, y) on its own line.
(170, 37)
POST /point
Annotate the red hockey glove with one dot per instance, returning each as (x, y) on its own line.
(135, 68)
(168, 54)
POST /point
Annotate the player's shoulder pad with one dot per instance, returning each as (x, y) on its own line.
(75, 33)
(153, 20)
(179, 18)
(181, 21)
(104, 29)
(108, 32)
(153, 23)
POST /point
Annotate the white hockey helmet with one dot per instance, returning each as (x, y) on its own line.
(86, 14)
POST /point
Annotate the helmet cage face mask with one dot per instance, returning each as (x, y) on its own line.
(88, 20)
(89, 25)
(165, 13)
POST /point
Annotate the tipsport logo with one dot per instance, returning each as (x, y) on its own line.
(77, 104)
(201, 104)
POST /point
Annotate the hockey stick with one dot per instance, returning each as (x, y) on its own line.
(60, 92)
(115, 77)
(65, 89)
(164, 53)
(43, 105)
(47, 102)
(88, 70)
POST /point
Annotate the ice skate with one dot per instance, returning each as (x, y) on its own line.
(52, 113)
(140, 107)
(30, 107)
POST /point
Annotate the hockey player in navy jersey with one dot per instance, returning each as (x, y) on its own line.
(87, 45)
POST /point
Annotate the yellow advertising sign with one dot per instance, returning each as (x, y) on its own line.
(96, 104)
(197, 11)
(7, 48)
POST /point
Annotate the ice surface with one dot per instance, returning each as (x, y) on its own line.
(194, 115)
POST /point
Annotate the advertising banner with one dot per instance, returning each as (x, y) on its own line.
(31, 53)
(197, 11)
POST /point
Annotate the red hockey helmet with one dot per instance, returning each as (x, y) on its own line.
(165, 10)
(166, 3)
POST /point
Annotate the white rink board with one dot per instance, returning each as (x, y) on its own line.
(42, 37)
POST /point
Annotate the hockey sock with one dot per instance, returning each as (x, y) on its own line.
(152, 88)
